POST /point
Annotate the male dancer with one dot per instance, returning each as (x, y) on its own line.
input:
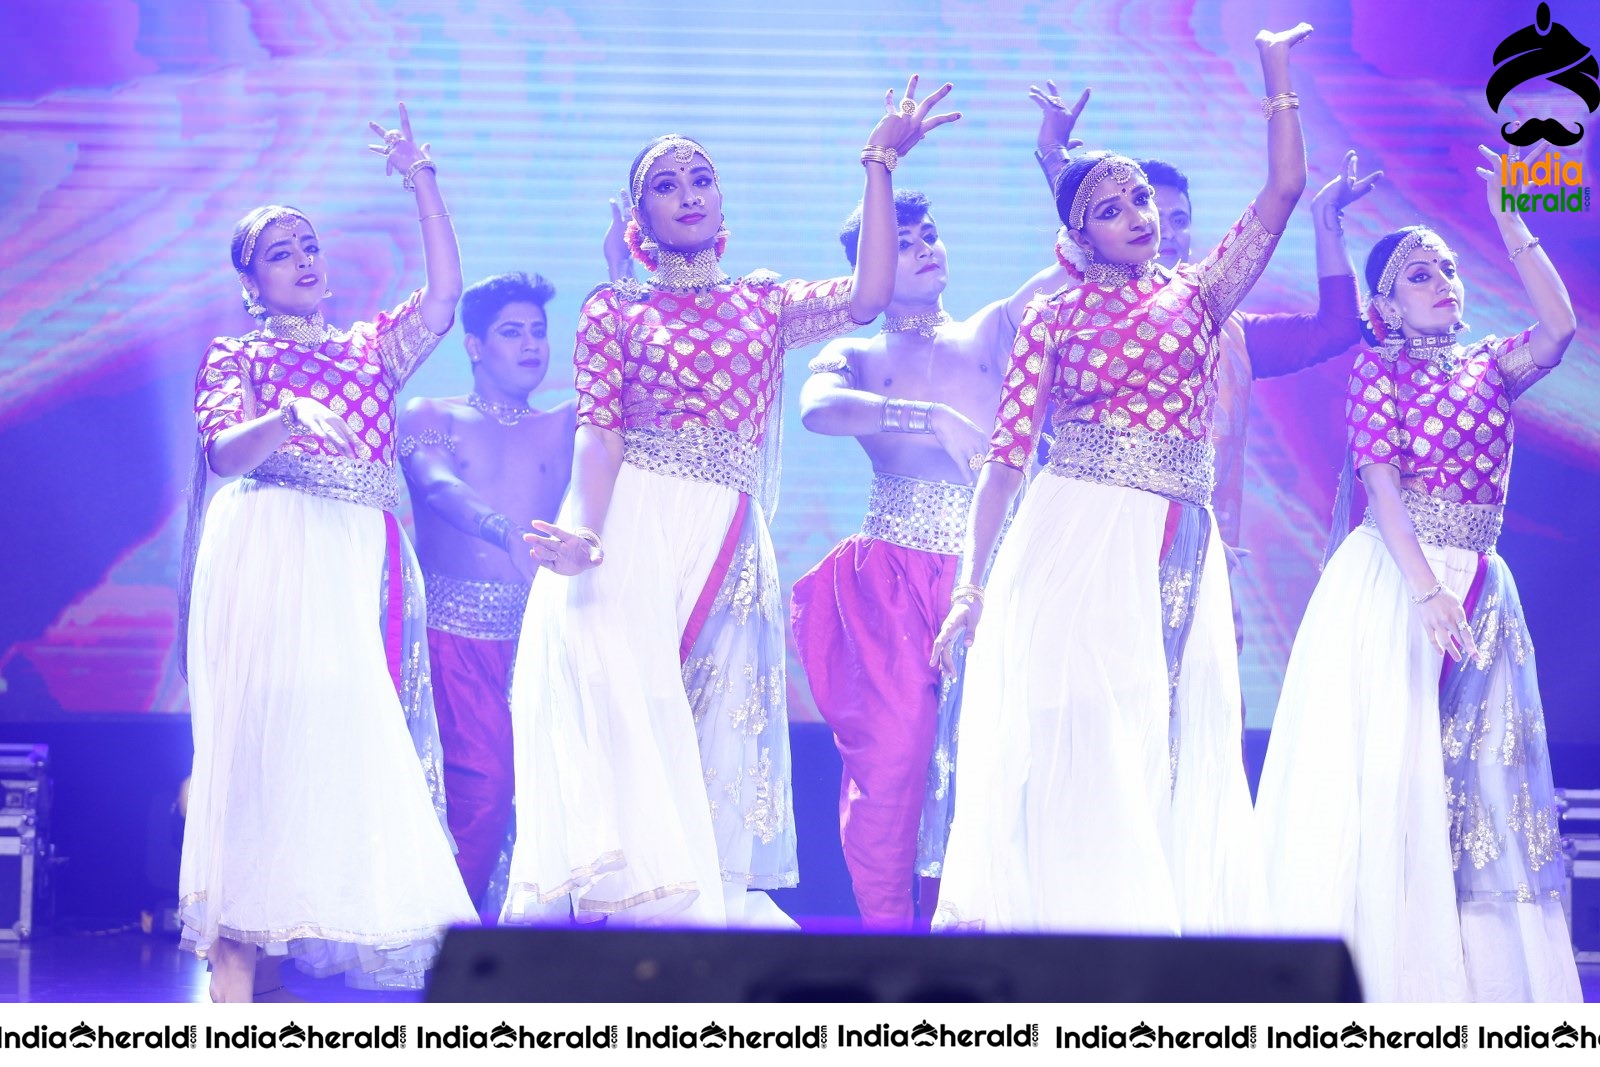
(919, 398)
(480, 468)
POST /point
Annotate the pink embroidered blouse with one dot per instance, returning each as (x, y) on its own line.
(357, 374)
(1127, 353)
(655, 359)
(1445, 423)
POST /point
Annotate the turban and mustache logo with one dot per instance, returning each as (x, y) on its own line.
(1544, 50)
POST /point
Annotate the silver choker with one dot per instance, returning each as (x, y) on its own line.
(925, 324)
(504, 414)
(310, 330)
(693, 273)
(1118, 274)
(1440, 350)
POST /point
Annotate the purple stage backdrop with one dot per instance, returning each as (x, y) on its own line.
(133, 134)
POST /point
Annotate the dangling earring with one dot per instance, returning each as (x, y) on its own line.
(1390, 317)
(720, 244)
(252, 304)
(648, 244)
(1088, 253)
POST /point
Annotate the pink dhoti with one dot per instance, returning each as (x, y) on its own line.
(472, 643)
(864, 620)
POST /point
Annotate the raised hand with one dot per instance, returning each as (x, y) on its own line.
(614, 245)
(1342, 191)
(1493, 186)
(1269, 43)
(1056, 119)
(910, 121)
(399, 148)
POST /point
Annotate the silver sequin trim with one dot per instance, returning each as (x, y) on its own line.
(697, 452)
(1179, 468)
(335, 477)
(1448, 524)
(912, 513)
(475, 607)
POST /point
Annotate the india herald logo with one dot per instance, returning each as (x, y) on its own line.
(1547, 50)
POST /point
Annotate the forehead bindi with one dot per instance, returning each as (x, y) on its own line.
(1111, 190)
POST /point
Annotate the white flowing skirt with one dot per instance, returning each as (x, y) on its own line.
(1352, 801)
(1068, 815)
(613, 816)
(310, 828)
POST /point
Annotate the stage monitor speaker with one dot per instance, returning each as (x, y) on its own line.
(533, 965)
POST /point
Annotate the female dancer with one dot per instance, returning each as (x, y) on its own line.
(311, 830)
(652, 755)
(1409, 812)
(1101, 784)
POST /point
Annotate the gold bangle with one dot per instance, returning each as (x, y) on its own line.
(597, 552)
(969, 592)
(1271, 105)
(1515, 252)
(875, 153)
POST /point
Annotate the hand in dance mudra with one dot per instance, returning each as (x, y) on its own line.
(909, 121)
(959, 625)
(563, 551)
(1269, 43)
(1056, 118)
(399, 148)
(1341, 192)
(317, 420)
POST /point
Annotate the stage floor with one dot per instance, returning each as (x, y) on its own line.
(132, 967)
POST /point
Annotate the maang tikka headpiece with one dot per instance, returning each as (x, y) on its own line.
(285, 218)
(682, 150)
(1412, 241)
(1119, 168)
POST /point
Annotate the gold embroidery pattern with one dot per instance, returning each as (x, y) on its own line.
(696, 452)
(1518, 370)
(1178, 468)
(374, 485)
(474, 607)
(1537, 825)
(814, 312)
(917, 514)
(1447, 524)
(1227, 277)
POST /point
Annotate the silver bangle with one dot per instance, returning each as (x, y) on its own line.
(1429, 595)
(409, 183)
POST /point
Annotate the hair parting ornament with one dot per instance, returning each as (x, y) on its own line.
(1119, 169)
(682, 150)
(1415, 238)
(286, 218)
(640, 243)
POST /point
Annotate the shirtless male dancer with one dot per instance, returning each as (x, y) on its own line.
(920, 398)
(480, 468)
